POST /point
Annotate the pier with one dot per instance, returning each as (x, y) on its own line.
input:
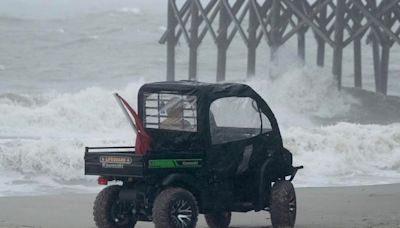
(336, 24)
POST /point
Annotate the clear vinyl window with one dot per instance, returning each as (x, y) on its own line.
(236, 118)
(170, 111)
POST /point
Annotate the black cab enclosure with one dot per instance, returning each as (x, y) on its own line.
(220, 142)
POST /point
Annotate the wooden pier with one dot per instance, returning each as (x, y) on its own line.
(337, 24)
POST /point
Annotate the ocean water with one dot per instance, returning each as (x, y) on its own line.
(61, 62)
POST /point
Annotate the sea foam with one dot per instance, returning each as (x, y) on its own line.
(346, 154)
(42, 136)
(130, 10)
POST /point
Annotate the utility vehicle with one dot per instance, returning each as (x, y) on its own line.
(201, 148)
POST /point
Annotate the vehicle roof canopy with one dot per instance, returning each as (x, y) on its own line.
(205, 93)
(211, 90)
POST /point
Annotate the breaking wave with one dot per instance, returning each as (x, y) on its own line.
(346, 154)
(130, 10)
(45, 134)
(10, 19)
(302, 94)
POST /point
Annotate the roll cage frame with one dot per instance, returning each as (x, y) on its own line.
(206, 94)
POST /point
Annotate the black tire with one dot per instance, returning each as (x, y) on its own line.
(175, 208)
(109, 212)
(283, 204)
(218, 220)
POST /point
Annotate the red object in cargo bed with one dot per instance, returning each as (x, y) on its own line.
(142, 144)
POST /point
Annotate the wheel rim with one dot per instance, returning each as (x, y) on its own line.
(181, 213)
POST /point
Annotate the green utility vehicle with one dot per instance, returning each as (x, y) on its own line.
(203, 148)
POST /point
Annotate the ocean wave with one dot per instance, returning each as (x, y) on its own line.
(80, 40)
(304, 97)
(58, 159)
(90, 111)
(333, 155)
(311, 91)
(45, 134)
(23, 100)
(11, 19)
(130, 10)
(346, 154)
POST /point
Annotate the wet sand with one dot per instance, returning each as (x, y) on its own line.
(364, 206)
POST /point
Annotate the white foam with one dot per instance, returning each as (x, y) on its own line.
(42, 137)
(130, 10)
(341, 154)
(90, 112)
(346, 154)
(61, 30)
(94, 37)
(15, 184)
(303, 93)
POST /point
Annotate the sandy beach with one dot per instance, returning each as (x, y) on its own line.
(363, 206)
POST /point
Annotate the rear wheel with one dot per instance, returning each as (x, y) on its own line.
(218, 220)
(175, 208)
(283, 204)
(110, 212)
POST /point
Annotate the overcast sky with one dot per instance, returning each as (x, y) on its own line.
(70, 8)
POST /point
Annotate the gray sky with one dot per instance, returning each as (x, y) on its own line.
(68, 8)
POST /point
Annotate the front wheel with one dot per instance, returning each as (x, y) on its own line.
(110, 212)
(175, 208)
(283, 204)
(218, 220)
